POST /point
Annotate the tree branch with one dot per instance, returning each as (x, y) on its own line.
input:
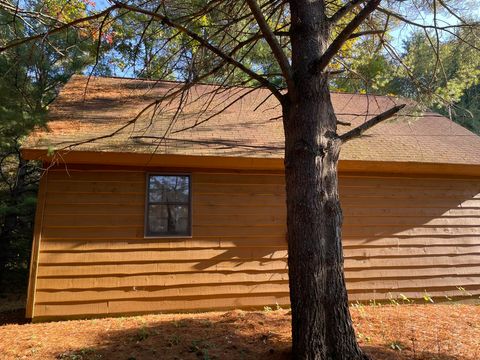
(344, 35)
(97, 54)
(16, 10)
(58, 29)
(358, 131)
(452, 12)
(344, 10)
(426, 26)
(165, 20)
(273, 42)
(368, 32)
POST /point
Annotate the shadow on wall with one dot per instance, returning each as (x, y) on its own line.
(400, 236)
(411, 235)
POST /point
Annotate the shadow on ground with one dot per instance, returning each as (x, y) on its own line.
(12, 308)
(231, 337)
(16, 316)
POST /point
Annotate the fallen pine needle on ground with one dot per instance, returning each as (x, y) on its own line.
(421, 332)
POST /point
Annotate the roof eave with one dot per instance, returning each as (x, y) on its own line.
(244, 163)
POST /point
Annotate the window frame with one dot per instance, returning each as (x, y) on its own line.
(146, 226)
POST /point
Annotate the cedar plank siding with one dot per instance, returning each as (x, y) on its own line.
(401, 236)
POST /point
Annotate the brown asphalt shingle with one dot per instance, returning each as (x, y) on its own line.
(249, 128)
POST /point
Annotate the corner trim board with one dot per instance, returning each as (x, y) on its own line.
(37, 236)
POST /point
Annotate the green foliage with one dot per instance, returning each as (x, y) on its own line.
(443, 77)
(174, 340)
(152, 50)
(427, 297)
(370, 72)
(467, 109)
(30, 77)
(142, 334)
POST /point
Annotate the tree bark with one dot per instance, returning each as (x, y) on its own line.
(321, 322)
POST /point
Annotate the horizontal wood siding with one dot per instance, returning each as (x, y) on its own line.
(401, 236)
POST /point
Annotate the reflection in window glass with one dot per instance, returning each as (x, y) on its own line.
(168, 208)
(168, 188)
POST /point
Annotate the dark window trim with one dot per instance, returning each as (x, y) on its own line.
(146, 234)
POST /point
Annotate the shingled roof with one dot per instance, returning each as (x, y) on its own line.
(249, 127)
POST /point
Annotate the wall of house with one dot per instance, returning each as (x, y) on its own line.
(401, 236)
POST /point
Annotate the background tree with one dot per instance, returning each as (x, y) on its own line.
(443, 83)
(444, 78)
(31, 74)
(293, 48)
(467, 112)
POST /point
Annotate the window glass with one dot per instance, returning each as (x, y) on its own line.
(168, 208)
(168, 188)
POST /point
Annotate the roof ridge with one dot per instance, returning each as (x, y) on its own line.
(156, 80)
(233, 86)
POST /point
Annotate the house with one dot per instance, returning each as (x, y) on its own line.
(148, 220)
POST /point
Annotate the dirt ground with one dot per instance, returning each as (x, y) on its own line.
(440, 332)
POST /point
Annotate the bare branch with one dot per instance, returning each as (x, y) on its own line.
(229, 143)
(451, 11)
(343, 123)
(226, 107)
(344, 35)
(97, 54)
(425, 26)
(344, 10)
(358, 131)
(368, 32)
(165, 20)
(273, 42)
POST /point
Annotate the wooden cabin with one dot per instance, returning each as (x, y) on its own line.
(162, 216)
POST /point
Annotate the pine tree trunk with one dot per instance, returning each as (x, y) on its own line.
(321, 322)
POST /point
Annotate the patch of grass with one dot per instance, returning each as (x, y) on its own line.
(427, 297)
(396, 345)
(205, 355)
(361, 309)
(464, 292)
(405, 299)
(142, 334)
(174, 340)
(201, 349)
(363, 338)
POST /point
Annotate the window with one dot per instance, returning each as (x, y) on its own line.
(168, 205)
